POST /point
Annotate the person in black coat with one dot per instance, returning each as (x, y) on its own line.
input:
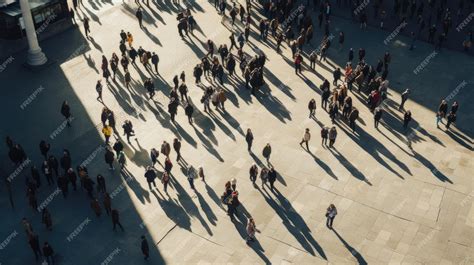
(72, 177)
(36, 176)
(272, 176)
(35, 246)
(44, 148)
(48, 253)
(109, 158)
(249, 139)
(66, 162)
(101, 184)
(189, 112)
(89, 186)
(406, 119)
(116, 219)
(150, 176)
(54, 164)
(63, 185)
(66, 112)
(145, 248)
(118, 147)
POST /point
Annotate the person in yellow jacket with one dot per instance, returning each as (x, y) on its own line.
(107, 131)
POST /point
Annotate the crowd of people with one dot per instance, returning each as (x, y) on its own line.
(287, 24)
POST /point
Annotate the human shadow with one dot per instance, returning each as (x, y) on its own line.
(434, 170)
(353, 251)
(293, 222)
(348, 165)
(323, 165)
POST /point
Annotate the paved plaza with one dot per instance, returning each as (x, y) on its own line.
(396, 205)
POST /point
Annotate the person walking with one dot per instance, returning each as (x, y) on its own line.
(154, 154)
(165, 179)
(66, 112)
(455, 107)
(116, 219)
(109, 158)
(177, 148)
(48, 253)
(101, 183)
(332, 136)
(128, 130)
(107, 131)
(406, 119)
(46, 219)
(251, 229)
(189, 110)
(107, 203)
(450, 119)
(331, 213)
(249, 139)
(168, 165)
(272, 176)
(253, 172)
(165, 149)
(139, 16)
(354, 114)
(45, 147)
(324, 135)
(404, 99)
(98, 88)
(264, 176)
(306, 138)
(267, 151)
(144, 247)
(33, 241)
(191, 175)
(47, 171)
(87, 28)
(154, 61)
(118, 147)
(312, 108)
(377, 116)
(150, 176)
(96, 207)
(122, 160)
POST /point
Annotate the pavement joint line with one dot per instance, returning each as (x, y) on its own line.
(461, 244)
(167, 233)
(439, 208)
(371, 207)
(196, 234)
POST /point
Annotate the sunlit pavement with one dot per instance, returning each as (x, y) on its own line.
(395, 205)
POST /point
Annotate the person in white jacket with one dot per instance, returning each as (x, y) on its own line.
(306, 138)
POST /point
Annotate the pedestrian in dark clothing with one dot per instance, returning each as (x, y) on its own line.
(177, 148)
(72, 177)
(118, 147)
(48, 172)
(249, 139)
(145, 248)
(154, 154)
(63, 185)
(44, 148)
(354, 114)
(128, 130)
(312, 108)
(443, 108)
(272, 176)
(109, 158)
(89, 186)
(35, 175)
(377, 116)
(46, 219)
(107, 203)
(168, 165)
(154, 61)
(66, 162)
(455, 107)
(188, 110)
(404, 98)
(406, 119)
(351, 55)
(35, 246)
(267, 151)
(86, 27)
(139, 16)
(101, 183)
(165, 179)
(48, 253)
(116, 219)
(66, 112)
(150, 176)
(450, 119)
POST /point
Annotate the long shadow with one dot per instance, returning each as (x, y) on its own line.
(348, 165)
(353, 251)
(459, 139)
(323, 165)
(211, 217)
(434, 170)
(293, 222)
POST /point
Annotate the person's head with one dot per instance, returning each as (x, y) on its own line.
(307, 129)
